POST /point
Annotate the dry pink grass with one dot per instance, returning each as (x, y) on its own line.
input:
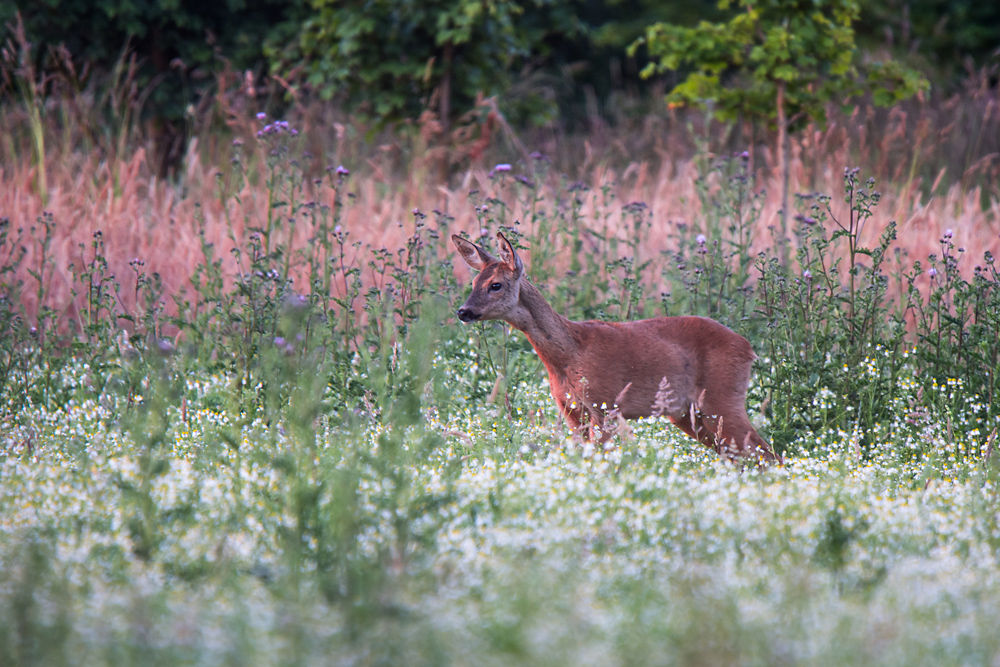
(155, 221)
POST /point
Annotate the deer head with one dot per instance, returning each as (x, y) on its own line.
(497, 288)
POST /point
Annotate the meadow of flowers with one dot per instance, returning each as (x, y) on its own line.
(187, 537)
(294, 453)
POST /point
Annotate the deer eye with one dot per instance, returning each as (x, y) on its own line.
(496, 287)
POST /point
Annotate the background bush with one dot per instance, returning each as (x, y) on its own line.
(546, 62)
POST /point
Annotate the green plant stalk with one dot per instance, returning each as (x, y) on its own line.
(32, 102)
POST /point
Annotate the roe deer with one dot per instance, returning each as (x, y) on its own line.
(693, 370)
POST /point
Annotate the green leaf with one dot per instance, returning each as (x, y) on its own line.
(785, 73)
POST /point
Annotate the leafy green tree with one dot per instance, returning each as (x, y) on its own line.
(392, 59)
(784, 61)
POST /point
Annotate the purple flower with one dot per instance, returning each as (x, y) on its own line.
(807, 274)
(701, 239)
(342, 171)
(503, 166)
(261, 116)
(932, 272)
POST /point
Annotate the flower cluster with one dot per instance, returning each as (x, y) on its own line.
(276, 128)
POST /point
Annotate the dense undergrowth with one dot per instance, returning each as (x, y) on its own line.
(304, 457)
(829, 315)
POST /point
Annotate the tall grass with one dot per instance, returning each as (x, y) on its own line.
(240, 423)
(276, 253)
(935, 161)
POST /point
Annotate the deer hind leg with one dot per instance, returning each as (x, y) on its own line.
(730, 433)
(721, 423)
(731, 438)
(705, 429)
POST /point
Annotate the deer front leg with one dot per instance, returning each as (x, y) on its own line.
(588, 424)
(570, 410)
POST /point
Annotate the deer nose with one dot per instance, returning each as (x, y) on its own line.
(466, 315)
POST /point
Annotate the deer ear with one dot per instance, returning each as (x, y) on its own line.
(473, 255)
(509, 256)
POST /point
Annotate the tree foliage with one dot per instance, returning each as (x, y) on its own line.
(390, 60)
(785, 60)
(774, 58)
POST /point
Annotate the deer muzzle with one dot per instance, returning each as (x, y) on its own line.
(467, 314)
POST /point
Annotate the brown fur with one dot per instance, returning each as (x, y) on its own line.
(592, 364)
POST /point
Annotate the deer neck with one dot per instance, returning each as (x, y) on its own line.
(549, 333)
